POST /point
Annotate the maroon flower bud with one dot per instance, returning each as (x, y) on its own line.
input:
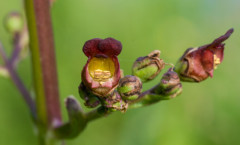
(197, 64)
(101, 73)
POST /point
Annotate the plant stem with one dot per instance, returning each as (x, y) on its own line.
(19, 84)
(48, 62)
(36, 66)
(17, 49)
(43, 57)
(97, 113)
(43, 65)
(3, 54)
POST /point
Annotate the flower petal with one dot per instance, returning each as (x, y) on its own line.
(110, 46)
(90, 48)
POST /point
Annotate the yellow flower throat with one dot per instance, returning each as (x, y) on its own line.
(216, 61)
(101, 69)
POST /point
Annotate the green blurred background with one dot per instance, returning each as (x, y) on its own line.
(205, 114)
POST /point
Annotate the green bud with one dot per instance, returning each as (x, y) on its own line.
(130, 87)
(148, 67)
(14, 22)
(181, 67)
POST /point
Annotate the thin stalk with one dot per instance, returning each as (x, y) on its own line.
(26, 96)
(19, 84)
(17, 49)
(97, 113)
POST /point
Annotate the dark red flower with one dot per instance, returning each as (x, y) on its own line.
(197, 64)
(101, 73)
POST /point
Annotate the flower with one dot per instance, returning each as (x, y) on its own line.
(101, 73)
(197, 64)
(148, 67)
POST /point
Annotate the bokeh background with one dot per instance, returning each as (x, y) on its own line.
(206, 113)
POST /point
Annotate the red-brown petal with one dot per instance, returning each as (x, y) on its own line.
(196, 68)
(217, 45)
(110, 47)
(90, 47)
(208, 61)
(222, 38)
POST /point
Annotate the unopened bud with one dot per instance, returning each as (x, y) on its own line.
(170, 85)
(148, 67)
(130, 87)
(114, 102)
(91, 100)
(14, 22)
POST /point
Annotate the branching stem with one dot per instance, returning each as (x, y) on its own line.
(19, 84)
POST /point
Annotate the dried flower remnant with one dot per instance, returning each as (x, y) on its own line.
(197, 64)
(102, 71)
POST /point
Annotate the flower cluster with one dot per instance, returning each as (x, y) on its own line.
(102, 83)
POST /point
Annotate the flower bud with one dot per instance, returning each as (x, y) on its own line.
(148, 67)
(170, 85)
(130, 87)
(91, 100)
(101, 73)
(14, 22)
(4, 72)
(114, 102)
(197, 64)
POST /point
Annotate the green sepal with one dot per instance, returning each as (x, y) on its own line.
(145, 73)
(180, 68)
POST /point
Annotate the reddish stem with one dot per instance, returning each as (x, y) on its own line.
(47, 57)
